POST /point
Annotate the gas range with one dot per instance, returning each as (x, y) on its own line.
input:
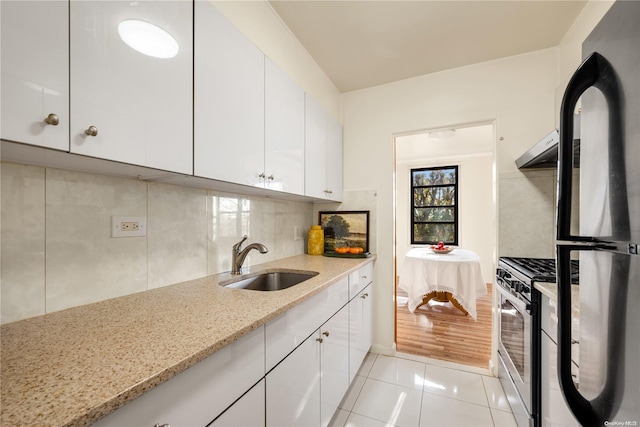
(530, 270)
(520, 332)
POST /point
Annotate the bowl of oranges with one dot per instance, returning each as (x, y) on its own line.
(348, 252)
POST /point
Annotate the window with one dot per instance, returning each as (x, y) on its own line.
(434, 205)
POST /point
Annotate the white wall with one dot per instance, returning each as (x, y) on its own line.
(517, 93)
(571, 45)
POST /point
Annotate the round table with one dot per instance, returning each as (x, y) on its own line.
(454, 277)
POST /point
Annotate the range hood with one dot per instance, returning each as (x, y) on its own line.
(545, 153)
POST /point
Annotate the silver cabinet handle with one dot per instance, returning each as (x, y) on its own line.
(364, 277)
(52, 119)
(325, 333)
(161, 425)
(93, 131)
(328, 191)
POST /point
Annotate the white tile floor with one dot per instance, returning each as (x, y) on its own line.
(397, 391)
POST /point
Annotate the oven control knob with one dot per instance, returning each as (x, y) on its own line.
(517, 286)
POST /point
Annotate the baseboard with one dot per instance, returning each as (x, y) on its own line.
(387, 351)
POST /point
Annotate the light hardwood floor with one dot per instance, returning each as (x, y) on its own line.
(441, 331)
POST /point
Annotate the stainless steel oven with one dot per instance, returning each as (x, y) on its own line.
(520, 332)
(514, 348)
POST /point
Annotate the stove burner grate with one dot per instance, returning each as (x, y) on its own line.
(540, 269)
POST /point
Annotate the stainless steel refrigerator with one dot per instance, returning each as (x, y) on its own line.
(607, 238)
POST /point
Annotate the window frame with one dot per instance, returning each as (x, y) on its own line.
(455, 206)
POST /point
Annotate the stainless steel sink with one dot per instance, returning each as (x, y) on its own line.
(270, 281)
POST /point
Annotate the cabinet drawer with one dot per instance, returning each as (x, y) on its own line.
(290, 329)
(249, 410)
(549, 320)
(358, 280)
(199, 394)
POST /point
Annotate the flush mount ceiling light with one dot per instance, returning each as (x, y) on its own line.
(148, 38)
(442, 134)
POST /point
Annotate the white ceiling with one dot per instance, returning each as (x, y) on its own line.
(360, 43)
(466, 141)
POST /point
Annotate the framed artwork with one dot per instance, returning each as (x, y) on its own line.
(345, 231)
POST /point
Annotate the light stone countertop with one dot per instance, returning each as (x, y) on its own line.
(71, 367)
(551, 291)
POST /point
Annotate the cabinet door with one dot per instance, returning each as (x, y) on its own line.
(137, 107)
(334, 364)
(284, 131)
(334, 159)
(35, 72)
(293, 387)
(360, 328)
(555, 412)
(228, 101)
(315, 149)
(247, 411)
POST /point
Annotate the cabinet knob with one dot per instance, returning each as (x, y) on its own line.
(161, 425)
(364, 296)
(93, 131)
(364, 277)
(319, 340)
(52, 119)
(328, 191)
(262, 175)
(325, 333)
(271, 177)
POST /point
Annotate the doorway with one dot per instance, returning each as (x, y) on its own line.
(439, 330)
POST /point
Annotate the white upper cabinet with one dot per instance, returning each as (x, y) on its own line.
(35, 73)
(129, 103)
(284, 132)
(323, 153)
(334, 159)
(315, 149)
(228, 101)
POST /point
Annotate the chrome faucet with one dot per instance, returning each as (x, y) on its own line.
(238, 256)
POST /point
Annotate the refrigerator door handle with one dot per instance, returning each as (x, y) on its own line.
(599, 410)
(597, 72)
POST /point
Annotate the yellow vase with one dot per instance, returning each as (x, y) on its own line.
(316, 241)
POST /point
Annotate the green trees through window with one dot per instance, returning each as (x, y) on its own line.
(434, 205)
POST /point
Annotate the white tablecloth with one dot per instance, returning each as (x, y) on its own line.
(457, 272)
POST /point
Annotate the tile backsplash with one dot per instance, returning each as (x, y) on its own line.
(57, 249)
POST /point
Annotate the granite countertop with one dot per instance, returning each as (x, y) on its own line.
(71, 367)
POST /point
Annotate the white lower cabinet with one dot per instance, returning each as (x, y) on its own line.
(294, 371)
(306, 388)
(198, 395)
(554, 409)
(334, 364)
(293, 387)
(360, 329)
(247, 411)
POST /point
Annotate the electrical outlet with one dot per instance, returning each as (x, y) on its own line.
(128, 226)
(296, 232)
